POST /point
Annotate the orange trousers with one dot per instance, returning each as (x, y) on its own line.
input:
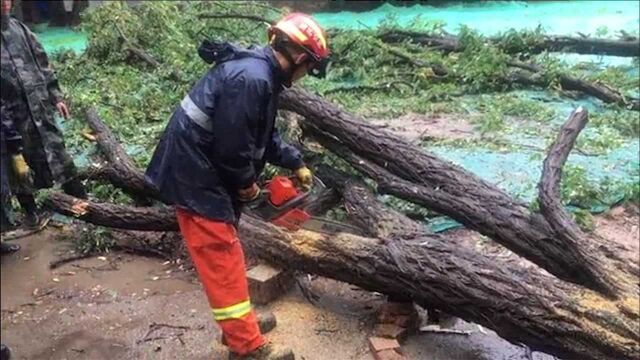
(219, 260)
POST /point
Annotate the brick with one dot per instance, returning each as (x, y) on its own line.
(266, 283)
(391, 331)
(377, 344)
(388, 355)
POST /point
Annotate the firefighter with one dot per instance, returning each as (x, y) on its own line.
(213, 150)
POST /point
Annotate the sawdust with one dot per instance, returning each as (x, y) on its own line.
(79, 207)
(306, 243)
(589, 302)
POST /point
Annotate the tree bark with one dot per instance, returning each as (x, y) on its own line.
(537, 310)
(112, 215)
(628, 47)
(597, 89)
(121, 172)
(420, 177)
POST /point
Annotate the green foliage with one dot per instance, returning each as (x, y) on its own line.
(412, 210)
(583, 219)
(491, 121)
(616, 77)
(602, 31)
(93, 240)
(480, 67)
(499, 110)
(599, 140)
(578, 190)
(520, 41)
(626, 123)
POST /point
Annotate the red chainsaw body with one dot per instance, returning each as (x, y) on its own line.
(285, 205)
(281, 191)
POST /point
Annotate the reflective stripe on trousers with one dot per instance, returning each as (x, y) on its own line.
(232, 312)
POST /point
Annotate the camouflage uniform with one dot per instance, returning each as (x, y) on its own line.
(30, 91)
(10, 144)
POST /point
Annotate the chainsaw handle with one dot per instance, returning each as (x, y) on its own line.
(294, 179)
(316, 183)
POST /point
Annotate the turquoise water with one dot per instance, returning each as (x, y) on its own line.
(558, 17)
(55, 39)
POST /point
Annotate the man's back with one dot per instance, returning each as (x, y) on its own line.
(218, 139)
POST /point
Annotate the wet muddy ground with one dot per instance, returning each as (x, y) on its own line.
(121, 306)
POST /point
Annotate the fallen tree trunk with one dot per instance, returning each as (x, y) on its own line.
(114, 216)
(628, 47)
(539, 311)
(598, 90)
(530, 308)
(443, 187)
(121, 171)
(418, 176)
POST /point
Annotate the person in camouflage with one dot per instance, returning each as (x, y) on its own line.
(30, 92)
(10, 142)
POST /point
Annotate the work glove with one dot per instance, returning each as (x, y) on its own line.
(20, 167)
(63, 109)
(249, 194)
(305, 177)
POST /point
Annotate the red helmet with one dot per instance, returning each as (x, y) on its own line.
(303, 30)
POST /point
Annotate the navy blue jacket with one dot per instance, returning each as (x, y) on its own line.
(219, 138)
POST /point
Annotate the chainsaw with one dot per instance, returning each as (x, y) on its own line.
(283, 204)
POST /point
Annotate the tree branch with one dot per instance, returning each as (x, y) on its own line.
(122, 172)
(236, 16)
(549, 187)
(420, 177)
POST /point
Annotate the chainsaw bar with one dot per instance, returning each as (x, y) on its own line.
(320, 225)
(292, 213)
(330, 227)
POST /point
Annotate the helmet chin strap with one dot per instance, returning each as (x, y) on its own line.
(279, 45)
(4, 21)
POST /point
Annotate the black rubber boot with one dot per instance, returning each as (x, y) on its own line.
(31, 218)
(5, 353)
(5, 223)
(266, 322)
(75, 188)
(8, 248)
